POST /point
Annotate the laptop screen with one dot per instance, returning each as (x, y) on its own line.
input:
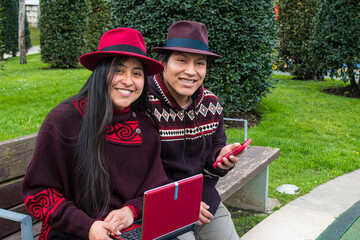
(172, 207)
(169, 211)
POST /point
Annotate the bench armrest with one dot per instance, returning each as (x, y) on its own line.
(239, 120)
(25, 221)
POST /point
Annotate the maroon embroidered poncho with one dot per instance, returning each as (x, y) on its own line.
(49, 190)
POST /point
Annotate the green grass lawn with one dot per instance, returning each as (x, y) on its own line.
(34, 35)
(29, 91)
(318, 134)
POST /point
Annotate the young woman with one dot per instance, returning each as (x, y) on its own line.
(98, 151)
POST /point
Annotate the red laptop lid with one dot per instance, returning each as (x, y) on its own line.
(171, 207)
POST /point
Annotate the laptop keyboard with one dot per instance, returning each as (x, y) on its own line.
(134, 234)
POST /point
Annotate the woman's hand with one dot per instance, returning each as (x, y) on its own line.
(120, 219)
(100, 230)
(228, 163)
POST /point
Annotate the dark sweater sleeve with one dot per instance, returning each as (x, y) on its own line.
(56, 212)
(211, 175)
(46, 185)
(218, 142)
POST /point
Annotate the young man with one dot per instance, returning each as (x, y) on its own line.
(191, 123)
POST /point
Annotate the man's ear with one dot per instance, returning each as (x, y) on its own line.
(164, 63)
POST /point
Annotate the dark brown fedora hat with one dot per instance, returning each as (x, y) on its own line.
(121, 42)
(188, 36)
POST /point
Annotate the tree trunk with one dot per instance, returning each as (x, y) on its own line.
(22, 48)
(351, 74)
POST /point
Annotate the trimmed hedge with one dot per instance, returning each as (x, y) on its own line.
(10, 30)
(63, 31)
(335, 39)
(98, 23)
(28, 44)
(2, 62)
(295, 24)
(243, 32)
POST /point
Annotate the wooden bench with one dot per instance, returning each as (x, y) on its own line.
(15, 156)
(244, 187)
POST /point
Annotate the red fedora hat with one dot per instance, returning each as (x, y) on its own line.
(188, 36)
(121, 42)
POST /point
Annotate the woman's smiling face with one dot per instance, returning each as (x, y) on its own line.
(127, 83)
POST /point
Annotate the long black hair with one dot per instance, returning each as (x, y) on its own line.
(91, 168)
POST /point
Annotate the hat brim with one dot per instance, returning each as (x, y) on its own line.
(90, 60)
(188, 50)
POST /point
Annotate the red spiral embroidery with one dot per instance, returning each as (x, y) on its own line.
(42, 206)
(81, 105)
(45, 231)
(124, 133)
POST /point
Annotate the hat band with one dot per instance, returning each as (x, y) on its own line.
(188, 43)
(124, 48)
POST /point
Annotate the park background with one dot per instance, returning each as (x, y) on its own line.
(312, 45)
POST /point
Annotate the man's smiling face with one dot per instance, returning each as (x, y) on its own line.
(183, 75)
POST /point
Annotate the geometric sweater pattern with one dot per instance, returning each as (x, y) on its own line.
(172, 119)
(191, 138)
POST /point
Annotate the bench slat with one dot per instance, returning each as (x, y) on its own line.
(251, 162)
(15, 156)
(10, 194)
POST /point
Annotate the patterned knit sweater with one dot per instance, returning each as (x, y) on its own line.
(49, 190)
(191, 139)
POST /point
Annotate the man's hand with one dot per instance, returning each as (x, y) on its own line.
(120, 219)
(205, 216)
(228, 163)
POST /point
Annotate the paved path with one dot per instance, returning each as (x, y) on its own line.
(307, 216)
(32, 50)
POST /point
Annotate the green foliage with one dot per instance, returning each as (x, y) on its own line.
(335, 39)
(98, 23)
(295, 24)
(62, 31)
(2, 62)
(10, 27)
(27, 35)
(241, 31)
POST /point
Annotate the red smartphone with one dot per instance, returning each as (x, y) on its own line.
(233, 152)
